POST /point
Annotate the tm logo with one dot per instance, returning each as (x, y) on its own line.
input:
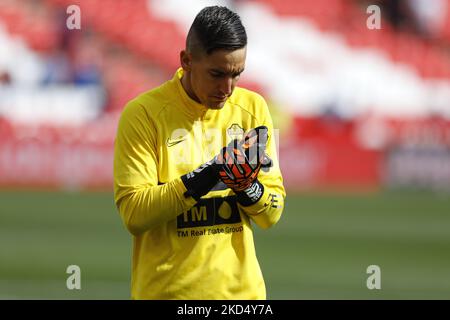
(210, 212)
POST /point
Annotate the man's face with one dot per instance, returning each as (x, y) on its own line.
(213, 77)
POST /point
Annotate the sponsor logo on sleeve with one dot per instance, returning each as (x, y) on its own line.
(273, 201)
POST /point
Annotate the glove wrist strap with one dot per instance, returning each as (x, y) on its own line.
(251, 195)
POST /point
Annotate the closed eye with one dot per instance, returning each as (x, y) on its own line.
(217, 74)
(237, 75)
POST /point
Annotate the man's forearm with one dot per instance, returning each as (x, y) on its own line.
(147, 207)
(267, 211)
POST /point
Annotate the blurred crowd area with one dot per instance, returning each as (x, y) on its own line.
(357, 108)
(427, 19)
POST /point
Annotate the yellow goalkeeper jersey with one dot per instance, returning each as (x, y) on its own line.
(183, 249)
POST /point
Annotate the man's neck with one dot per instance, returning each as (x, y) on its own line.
(186, 84)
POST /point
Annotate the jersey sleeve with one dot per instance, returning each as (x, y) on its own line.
(267, 211)
(142, 203)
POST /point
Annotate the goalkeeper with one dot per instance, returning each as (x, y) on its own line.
(194, 166)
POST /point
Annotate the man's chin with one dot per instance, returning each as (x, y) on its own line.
(216, 105)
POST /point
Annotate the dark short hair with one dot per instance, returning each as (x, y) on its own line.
(216, 28)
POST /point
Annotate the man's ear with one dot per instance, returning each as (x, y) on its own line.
(185, 60)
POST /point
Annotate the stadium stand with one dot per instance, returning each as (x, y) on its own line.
(351, 93)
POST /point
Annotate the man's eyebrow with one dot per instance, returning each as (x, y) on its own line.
(220, 71)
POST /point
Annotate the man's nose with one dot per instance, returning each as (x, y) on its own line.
(226, 86)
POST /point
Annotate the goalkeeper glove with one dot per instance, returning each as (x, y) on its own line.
(241, 163)
(200, 181)
(237, 165)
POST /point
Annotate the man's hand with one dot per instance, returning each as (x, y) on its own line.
(242, 160)
(201, 180)
(237, 165)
